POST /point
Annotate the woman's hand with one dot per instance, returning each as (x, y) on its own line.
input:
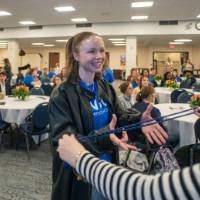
(154, 133)
(69, 148)
(122, 143)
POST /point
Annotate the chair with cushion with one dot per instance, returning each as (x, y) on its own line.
(184, 97)
(3, 127)
(37, 91)
(37, 124)
(175, 94)
(47, 89)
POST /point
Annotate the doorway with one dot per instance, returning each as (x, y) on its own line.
(163, 59)
(54, 58)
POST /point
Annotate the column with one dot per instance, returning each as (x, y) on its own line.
(13, 55)
(131, 53)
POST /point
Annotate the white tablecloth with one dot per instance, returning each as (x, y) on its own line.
(164, 94)
(184, 126)
(15, 111)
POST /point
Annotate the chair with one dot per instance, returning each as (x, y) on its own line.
(190, 154)
(37, 91)
(184, 97)
(47, 89)
(36, 124)
(3, 126)
(175, 94)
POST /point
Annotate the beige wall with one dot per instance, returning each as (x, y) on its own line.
(144, 55)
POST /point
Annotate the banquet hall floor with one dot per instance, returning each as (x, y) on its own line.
(23, 179)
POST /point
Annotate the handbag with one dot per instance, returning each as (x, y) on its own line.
(133, 160)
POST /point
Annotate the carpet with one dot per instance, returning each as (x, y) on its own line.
(23, 179)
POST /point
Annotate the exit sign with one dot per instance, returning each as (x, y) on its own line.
(172, 46)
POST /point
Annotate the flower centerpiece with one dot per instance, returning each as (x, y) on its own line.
(171, 84)
(21, 92)
(158, 79)
(195, 100)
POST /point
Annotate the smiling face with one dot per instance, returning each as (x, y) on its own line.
(90, 55)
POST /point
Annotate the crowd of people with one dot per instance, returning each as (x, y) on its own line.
(84, 103)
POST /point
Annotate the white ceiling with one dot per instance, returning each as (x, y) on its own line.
(97, 11)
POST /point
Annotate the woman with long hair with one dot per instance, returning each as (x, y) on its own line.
(82, 105)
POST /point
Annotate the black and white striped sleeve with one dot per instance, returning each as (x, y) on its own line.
(121, 184)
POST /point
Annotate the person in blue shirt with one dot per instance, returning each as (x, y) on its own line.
(108, 74)
(83, 105)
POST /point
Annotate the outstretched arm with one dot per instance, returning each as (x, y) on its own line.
(119, 183)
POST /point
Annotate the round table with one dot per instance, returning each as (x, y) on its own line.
(183, 126)
(15, 110)
(164, 94)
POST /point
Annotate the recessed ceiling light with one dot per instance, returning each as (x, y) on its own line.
(27, 22)
(139, 17)
(79, 19)
(3, 41)
(198, 16)
(4, 13)
(183, 40)
(119, 42)
(48, 45)
(38, 43)
(176, 43)
(61, 40)
(142, 4)
(65, 9)
(116, 39)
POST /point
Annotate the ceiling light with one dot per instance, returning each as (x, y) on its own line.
(176, 42)
(79, 19)
(119, 42)
(1, 47)
(183, 40)
(116, 39)
(139, 17)
(48, 45)
(198, 16)
(38, 43)
(27, 22)
(65, 9)
(61, 40)
(4, 41)
(4, 13)
(142, 4)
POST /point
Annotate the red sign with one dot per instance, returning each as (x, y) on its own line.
(172, 46)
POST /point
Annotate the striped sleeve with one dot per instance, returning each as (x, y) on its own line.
(121, 184)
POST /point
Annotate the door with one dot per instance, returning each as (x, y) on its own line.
(54, 58)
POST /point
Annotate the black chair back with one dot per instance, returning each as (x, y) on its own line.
(40, 117)
(37, 91)
(175, 94)
(47, 89)
(197, 130)
(184, 97)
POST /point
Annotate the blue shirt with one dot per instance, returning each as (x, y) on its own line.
(101, 116)
(108, 75)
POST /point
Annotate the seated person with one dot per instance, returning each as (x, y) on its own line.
(20, 78)
(145, 97)
(31, 78)
(5, 87)
(189, 79)
(167, 76)
(125, 98)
